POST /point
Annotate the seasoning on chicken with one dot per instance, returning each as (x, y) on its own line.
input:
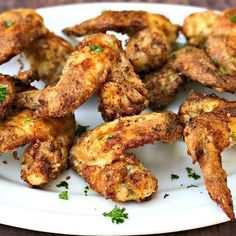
(100, 156)
(150, 35)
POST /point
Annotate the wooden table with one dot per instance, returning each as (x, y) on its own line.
(225, 229)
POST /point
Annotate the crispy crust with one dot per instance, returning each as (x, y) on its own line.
(25, 27)
(150, 35)
(48, 55)
(100, 157)
(163, 87)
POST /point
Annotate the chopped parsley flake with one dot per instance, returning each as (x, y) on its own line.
(173, 176)
(100, 137)
(223, 71)
(117, 215)
(192, 186)
(86, 189)
(173, 56)
(95, 48)
(166, 195)
(28, 122)
(3, 93)
(64, 195)
(214, 62)
(80, 130)
(233, 19)
(63, 184)
(110, 136)
(192, 174)
(9, 24)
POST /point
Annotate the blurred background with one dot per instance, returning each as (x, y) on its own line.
(215, 4)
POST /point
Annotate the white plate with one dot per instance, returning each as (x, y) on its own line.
(41, 209)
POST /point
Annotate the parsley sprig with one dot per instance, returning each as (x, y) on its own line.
(81, 129)
(173, 176)
(64, 195)
(192, 174)
(117, 215)
(3, 93)
(63, 184)
(95, 48)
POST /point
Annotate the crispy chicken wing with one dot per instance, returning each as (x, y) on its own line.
(123, 94)
(18, 28)
(198, 26)
(221, 44)
(97, 59)
(210, 128)
(50, 140)
(163, 86)
(150, 35)
(48, 55)
(100, 157)
(193, 63)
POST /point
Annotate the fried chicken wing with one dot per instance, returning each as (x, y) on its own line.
(210, 128)
(193, 63)
(7, 94)
(51, 139)
(150, 35)
(124, 93)
(198, 26)
(197, 103)
(48, 55)
(163, 86)
(221, 44)
(100, 157)
(18, 28)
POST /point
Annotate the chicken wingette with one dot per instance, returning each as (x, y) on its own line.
(97, 61)
(150, 35)
(210, 127)
(18, 28)
(100, 156)
(50, 140)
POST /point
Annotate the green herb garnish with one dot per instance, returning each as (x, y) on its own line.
(100, 137)
(173, 56)
(110, 136)
(64, 195)
(9, 24)
(81, 129)
(192, 174)
(214, 62)
(27, 122)
(223, 71)
(173, 176)
(63, 184)
(233, 19)
(95, 48)
(117, 215)
(3, 93)
(192, 186)
(161, 108)
(86, 189)
(166, 195)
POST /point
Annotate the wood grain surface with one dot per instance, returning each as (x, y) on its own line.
(225, 229)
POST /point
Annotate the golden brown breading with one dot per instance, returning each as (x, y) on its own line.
(85, 71)
(100, 157)
(44, 160)
(7, 94)
(197, 103)
(197, 66)
(124, 94)
(48, 55)
(18, 28)
(26, 77)
(150, 35)
(221, 44)
(162, 87)
(206, 137)
(198, 26)
(51, 139)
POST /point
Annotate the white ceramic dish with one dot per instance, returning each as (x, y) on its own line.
(42, 210)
